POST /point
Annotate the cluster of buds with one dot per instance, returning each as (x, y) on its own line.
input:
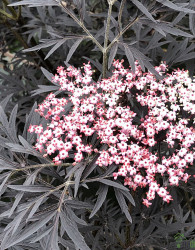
(130, 135)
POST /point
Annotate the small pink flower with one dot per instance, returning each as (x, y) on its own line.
(182, 163)
(138, 178)
(146, 202)
(174, 180)
(162, 192)
(189, 158)
(161, 168)
(39, 129)
(63, 154)
(51, 149)
(31, 128)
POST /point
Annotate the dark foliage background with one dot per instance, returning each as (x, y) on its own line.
(38, 210)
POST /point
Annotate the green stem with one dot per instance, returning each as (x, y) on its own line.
(3, 12)
(11, 9)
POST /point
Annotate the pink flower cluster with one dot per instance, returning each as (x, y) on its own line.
(129, 135)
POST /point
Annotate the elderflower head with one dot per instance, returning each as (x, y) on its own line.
(129, 133)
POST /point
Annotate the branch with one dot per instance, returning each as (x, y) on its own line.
(120, 14)
(11, 9)
(81, 24)
(67, 184)
(43, 166)
(106, 40)
(123, 31)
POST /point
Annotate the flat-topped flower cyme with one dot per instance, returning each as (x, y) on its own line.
(130, 128)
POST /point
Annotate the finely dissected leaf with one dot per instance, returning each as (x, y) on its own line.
(92, 165)
(36, 3)
(174, 6)
(144, 61)
(78, 204)
(12, 122)
(66, 243)
(146, 233)
(73, 232)
(5, 166)
(4, 102)
(100, 33)
(48, 75)
(96, 240)
(30, 230)
(110, 170)
(35, 207)
(2, 186)
(154, 42)
(44, 89)
(153, 25)
(179, 17)
(83, 10)
(16, 202)
(113, 184)
(22, 149)
(94, 139)
(58, 44)
(174, 31)
(4, 121)
(31, 118)
(25, 143)
(77, 175)
(19, 196)
(192, 23)
(167, 28)
(122, 204)
(76, 218)
(128, 196)
(29, 147)
(43, 45)
(143, 9)
(3, 140)
(129, 56)
(73, 48)
(17, 148)
(42, 234)
(52, 242)
(103, 190)
(112, 54)
(167, 229)
(30, 188)
(73, 169)
(185, 216)
(191, 229)
(16, 222)
(184, 57)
